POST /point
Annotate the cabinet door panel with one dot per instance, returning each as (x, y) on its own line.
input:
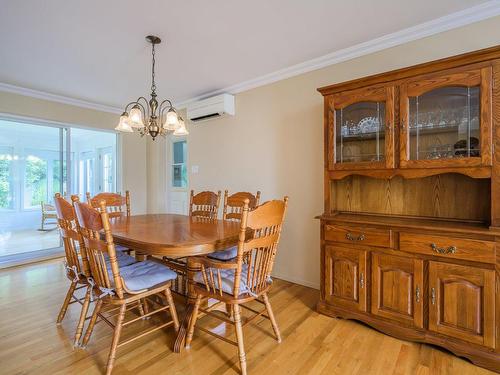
(397, 288)
(446, 119)
(361, 129)
(345, 277)
(462, 302)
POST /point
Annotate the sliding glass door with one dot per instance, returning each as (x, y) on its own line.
(35, 163)
(31, 162)
(93, 156)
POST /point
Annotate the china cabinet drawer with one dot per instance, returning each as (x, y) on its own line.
(449, 247)
(358, 235)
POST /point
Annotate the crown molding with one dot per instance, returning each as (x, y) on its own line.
(451, 21)
(5, 87)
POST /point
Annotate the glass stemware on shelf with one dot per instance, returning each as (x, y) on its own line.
(444, 123)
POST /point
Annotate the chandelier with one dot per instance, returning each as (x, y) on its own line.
(148, 117)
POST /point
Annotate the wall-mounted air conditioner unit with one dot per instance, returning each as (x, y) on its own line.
(210, 108)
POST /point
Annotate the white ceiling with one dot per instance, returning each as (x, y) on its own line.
(95, 50)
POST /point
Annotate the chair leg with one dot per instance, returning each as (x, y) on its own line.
(171, 307)
(239, 337)
(230, 311)
(116, 339)
(140, 307)
(83, 316)
(145, 305)
(66, 302)
(93, 319)
(271, 317)
(192, 322)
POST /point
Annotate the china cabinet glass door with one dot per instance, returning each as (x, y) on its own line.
(446, 120)
(361, 128)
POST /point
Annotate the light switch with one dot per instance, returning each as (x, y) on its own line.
(194, 169)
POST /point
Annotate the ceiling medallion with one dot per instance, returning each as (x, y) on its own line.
(148, 117)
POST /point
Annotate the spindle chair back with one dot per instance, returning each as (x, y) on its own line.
(71, 238)
(233, 204)
(204, 204)
(92, 222)
(76, 263)
(115, 204)
(248, 277)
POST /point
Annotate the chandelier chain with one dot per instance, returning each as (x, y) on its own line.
(153, 84)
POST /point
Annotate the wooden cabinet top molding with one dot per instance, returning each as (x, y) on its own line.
(483, 55)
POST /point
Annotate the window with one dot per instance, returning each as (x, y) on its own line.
(6, 182)
(179, 168)
(107, 170)
(86, 173)
(35, 181)
(96, 161)
(34, 165)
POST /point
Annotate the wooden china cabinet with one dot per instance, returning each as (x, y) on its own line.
(411, 220)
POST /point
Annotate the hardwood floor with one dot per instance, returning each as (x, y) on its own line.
(27, 240)
(31, 342)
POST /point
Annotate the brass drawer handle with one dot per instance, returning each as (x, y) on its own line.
(442, 250)
(361, 280)
(350, 237)
(433, 296)
(417, 294)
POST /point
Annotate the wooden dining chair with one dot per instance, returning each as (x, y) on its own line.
(76, 263)
(233, 204)
(120, 288)
(232, 211)
(116, 204)
(247, 278)
(204, 204)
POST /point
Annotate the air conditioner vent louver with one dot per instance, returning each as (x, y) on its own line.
(206, 109)
(205, 117)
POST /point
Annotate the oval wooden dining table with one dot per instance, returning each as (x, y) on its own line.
(175, 236)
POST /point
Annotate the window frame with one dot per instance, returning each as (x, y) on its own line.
(173, 164)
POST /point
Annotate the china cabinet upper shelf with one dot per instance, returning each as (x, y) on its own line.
(413, 125)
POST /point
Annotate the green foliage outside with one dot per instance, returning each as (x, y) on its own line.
(5, 196)
(36, 180)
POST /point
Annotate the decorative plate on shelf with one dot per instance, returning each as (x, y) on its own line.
(369, 125)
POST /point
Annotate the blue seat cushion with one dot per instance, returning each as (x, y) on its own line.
(124, 260)
(227, 278)
(144, 275)
(225, 255)
(121, 248)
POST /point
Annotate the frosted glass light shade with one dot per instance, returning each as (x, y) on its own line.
(123, 125)
(172, 120)
(181, 129)
(135, 118)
